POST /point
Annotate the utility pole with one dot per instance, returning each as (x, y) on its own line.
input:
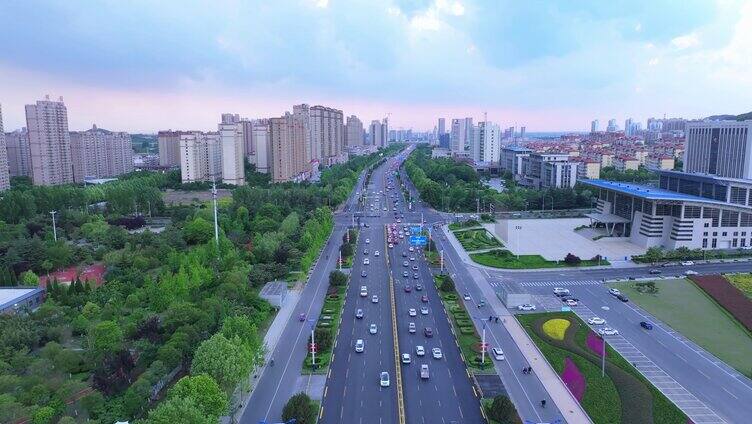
(517, 229)
(477, 206)
(483, 345)
(216, 224)
(442, 261)
(603, 358)
(54, 230)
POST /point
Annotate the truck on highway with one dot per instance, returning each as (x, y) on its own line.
(424, 371)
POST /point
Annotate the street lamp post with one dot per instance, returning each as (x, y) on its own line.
(483, 344)
(54, 230)
(603, 358)
(517, 229)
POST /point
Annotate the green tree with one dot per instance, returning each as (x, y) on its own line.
(447, 285)
(204, 392)
(572, 259)
(654, 254)
(29, 279)
(91, 311)
(43, 415)
(179, 410)
(198, 231)
(241, 326)
(105, 337)
(337, 278)
(227, 361)
(300, 408)
(502, 410)
(324, 338)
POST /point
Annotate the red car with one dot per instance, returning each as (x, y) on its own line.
(424, 299)
(428, 332)
(408, 289)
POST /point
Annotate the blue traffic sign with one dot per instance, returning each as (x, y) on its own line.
(418, 240)
(415, 230)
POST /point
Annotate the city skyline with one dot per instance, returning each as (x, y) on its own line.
(417, 62)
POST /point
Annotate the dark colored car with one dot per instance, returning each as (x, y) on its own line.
(646, 325)
(655, 271)
(622, 298)
(418, 287)
(424, 299)
(363, 274)
(408, 289)
(428, 332)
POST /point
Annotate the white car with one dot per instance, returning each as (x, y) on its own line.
(406, 358)
(384, 379)
(596, 321)
(420, 351)
(405, 263)
(374, 299)
(412, 249)
(687, 263)
(363, 291)
(561, 290)
(466, 296)
(498, 354)
(359, 345)
(373, 329)
(526, 307)
(366, 261)
(436, 353)
(412, 258)
(571, 302)
(368, 241)
(608, 331)
(690, 272)
(391, 246)
(614, 292)
(412, 312)
(411, 328)
(424, 310)
(376, 253)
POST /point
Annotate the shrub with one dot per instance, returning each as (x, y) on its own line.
(333, 297)
(502, 410)
(467, 330)
(447, 285)
(572, 259)
(299, 408)
(463, 322)
(337, 278)
(728, 296)
(450, 296)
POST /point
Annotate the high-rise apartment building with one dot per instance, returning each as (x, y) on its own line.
(4, 174)
(302, 115)
(488, 136)
(232, 141)
(720, 148)
(200, 156)
(594, 124)
(261, 150)
(169, 147)
(327, 133)
(287, 149)
(457, 136)
(441, 129)
(353, 132)
(98, 153)
(19, 154)
(378, 133)
(523, 130)
(49, 142)
(612, 127)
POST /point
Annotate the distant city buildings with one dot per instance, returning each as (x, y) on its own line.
(461, 136)
(720, 148)
(233, 135)
(487, 142)
(548, 170)
(378, 133)
(612, 126)
(49, 142)
(4, 172)
(98, 153)
(594, 126)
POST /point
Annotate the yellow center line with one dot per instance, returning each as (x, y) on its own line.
(398, 370)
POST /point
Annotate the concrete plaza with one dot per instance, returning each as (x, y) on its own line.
(554, 238)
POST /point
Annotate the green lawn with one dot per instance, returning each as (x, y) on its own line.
(332, 308)
(501, 258)
(464, 225)
(688, 310)
(477, 239)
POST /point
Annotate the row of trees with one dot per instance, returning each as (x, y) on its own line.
(455, 186)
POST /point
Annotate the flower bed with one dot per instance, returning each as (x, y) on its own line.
(728, 296)
(556, 328)
(594, 343)
(574, 380)
(742, 282)
(624, 396)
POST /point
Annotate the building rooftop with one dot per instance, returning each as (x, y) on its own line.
(11, 295)
(650, 193)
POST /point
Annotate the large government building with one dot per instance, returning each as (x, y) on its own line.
(708, 206)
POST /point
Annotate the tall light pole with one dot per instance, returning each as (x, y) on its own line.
(54, 230)
(517, 229)
(216, 224)
(483, 344)
(603, 357)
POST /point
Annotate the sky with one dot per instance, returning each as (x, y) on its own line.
(143, 66)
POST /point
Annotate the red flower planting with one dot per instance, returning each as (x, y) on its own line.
(573, 378)
(728, 296)
(594, 343)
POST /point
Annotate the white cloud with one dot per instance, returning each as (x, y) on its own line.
(654, 61)
(450, 7)
(686, 41)
(425, 22)
(638, 27)
(322, 3)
